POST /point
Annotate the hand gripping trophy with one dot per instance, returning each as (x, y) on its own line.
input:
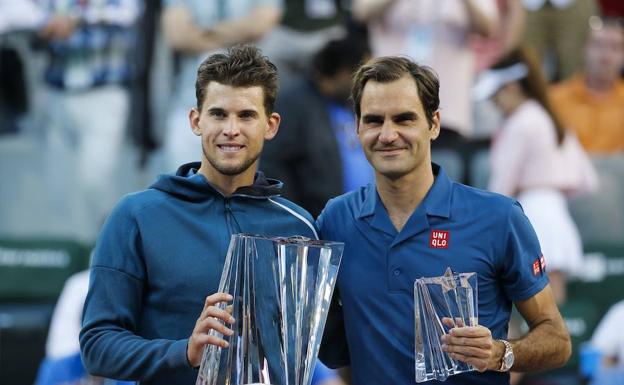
(282, 288)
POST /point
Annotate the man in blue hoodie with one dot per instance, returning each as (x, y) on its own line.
(161, 252)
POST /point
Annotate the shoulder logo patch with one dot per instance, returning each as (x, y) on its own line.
(539, 265)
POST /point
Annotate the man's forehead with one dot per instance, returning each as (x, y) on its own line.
(216, 87)
(219, 95)
(401, 95)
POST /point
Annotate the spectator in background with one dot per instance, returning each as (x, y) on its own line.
(435, 33)
(15, 16)
(195, 29)
(608, 337)
(558, 28)
(508, 36)
(592, 102)
(306, 27)
(88, 45)
(535, 160)
(488, 51)
(318, 140)
(62, 364)
(18, 15)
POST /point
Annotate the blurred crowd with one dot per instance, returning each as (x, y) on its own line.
(95, 97)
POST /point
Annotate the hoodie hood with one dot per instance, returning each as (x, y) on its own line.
(190, 185)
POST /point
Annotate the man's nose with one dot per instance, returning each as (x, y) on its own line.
(231, 128)
(388, 132)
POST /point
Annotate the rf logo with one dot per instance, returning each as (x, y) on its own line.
(439, 239)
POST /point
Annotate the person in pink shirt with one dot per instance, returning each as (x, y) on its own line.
(534, 159)
(434, 33)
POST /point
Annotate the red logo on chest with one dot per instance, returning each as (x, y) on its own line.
(439, 239)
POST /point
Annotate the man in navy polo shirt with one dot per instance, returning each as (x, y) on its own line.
(416, 222)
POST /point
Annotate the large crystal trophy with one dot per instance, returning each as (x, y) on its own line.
(442, 303)
(282, 289)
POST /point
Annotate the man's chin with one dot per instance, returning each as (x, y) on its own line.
(232, 169)
(392, 173)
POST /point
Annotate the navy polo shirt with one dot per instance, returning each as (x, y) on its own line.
(370, 326)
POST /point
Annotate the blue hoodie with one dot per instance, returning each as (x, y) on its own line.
(160, 253)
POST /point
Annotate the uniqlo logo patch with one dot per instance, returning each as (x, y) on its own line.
(536, 267)
(439, 239)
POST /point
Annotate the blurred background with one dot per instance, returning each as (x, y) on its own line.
(95, 94)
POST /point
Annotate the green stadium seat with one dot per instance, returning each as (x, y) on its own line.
(35, 270)
(32, 274)
(581, 317)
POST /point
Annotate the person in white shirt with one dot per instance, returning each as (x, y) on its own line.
(608, 337)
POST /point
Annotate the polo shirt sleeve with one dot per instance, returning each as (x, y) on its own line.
(334, 350)
(522, 268)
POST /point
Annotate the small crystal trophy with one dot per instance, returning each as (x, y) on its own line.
(442, 303)
(282, 289)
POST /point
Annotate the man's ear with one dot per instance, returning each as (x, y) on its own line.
(194, 115)
(272, 126)
(434, 131)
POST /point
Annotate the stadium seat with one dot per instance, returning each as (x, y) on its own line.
(600, 216)
(607, 289)
(32, 274)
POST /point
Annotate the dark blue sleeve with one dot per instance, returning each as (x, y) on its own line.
(334, 350)
(522, 273)
(109, 346)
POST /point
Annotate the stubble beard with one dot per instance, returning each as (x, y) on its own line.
(230, 169)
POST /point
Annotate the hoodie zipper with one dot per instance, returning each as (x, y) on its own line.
(231, 221)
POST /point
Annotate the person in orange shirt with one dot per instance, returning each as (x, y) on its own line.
(592, 102)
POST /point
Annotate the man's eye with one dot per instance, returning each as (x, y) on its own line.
(217, 114)
(404, 121)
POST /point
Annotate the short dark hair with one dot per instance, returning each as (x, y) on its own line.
(386, 69)
(240, 66)
(340, 54)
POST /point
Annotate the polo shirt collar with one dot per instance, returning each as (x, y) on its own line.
(438, 199)
(437, 202)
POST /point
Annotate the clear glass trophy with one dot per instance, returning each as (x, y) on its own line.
(282, 289)
(442, 303)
